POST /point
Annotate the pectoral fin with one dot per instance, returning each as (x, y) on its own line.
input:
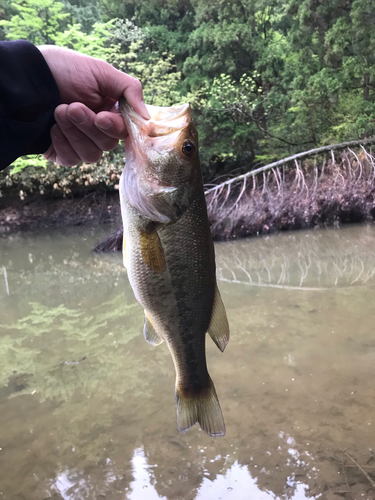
(149, 332)
(219, 328)
(152, 251)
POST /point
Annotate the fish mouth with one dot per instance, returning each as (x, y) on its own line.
(151, 142)
(163, 120)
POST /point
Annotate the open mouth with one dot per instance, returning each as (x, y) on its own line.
(152, 140)
(146, 179)
(163, 121)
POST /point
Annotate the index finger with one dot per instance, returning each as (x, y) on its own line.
(112, 124)
(133, 93)
(113, 83)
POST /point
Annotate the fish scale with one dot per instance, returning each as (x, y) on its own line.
(169, 254)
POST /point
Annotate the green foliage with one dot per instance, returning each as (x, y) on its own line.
(159, 78)
(62, 181)
(83, 12)
(93, 44)
(28, 161)
(37, 21)
(265, 79)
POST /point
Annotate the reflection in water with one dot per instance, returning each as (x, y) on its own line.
(62, 485)
(141, 487)
(308, 260)
(238, 484)
(87, 406)
(69, 485)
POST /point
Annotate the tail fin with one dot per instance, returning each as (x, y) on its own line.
(203, 408)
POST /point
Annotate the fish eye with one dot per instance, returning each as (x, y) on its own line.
(188, 148)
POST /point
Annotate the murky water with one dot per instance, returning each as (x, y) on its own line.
(87, 406)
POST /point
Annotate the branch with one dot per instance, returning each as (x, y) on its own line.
(361, 469)
(278, 138)
(235, 109)
(331, 147)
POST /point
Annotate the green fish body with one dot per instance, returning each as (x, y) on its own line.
(169, 254)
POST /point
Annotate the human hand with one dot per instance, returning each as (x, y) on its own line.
(88, 121)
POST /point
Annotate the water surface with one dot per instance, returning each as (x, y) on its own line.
(87, 406)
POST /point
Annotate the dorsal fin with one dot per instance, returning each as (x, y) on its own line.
(219, 328)
(149, 332)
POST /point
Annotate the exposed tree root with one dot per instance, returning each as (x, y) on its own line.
(333, 191)
(324, 190)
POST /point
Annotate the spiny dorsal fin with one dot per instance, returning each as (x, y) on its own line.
(152, 251)
(149, 332)
(219, 328)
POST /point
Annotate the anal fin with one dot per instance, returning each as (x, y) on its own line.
(149, 332)
(219, 327)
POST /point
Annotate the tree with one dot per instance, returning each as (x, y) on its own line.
(83, 12)
(38, 21)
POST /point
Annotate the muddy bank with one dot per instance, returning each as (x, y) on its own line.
(267, 213)
(319, 192)
(41, 212)
(300, 196)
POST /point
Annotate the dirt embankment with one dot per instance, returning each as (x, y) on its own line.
(297, 196)
(42, 212)
(302, 196)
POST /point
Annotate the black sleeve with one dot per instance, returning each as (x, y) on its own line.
(28, 98)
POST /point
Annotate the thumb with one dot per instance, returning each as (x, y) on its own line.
(114, 83)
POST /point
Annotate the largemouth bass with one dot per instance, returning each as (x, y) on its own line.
(169, 254)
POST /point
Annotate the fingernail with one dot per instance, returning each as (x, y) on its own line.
(104, 122)
(144, 111)
(77, 115)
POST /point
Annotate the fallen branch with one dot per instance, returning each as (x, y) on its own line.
(361, 469)
(345, 476)
(315, 151)
(302, 196)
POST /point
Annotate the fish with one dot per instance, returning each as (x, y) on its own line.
(168, 252)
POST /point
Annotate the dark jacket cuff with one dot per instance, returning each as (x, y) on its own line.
(28, 98)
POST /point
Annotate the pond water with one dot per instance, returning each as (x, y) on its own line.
(87, 406)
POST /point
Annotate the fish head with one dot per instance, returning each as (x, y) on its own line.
(162, 168)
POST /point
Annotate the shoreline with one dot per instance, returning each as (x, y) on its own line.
(103, 207)
(42, 212)
(306, 196)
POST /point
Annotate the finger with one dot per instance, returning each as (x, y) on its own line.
(113, 83)
(84, 120)
(50, 154)
(111, 124)
(83, 146)
(133, 93)
(64, 153)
